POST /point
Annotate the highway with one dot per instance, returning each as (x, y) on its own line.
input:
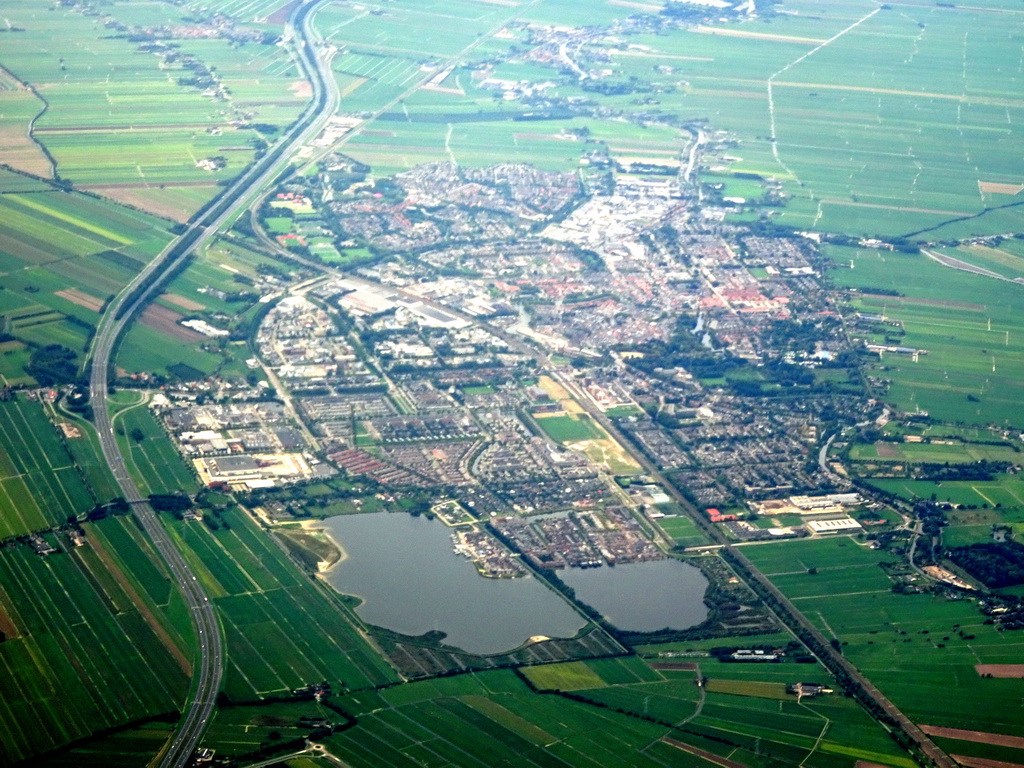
(208, 667)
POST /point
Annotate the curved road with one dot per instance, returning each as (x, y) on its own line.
(117, 317)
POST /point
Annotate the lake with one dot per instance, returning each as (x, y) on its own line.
(643, 597)
(411, 581)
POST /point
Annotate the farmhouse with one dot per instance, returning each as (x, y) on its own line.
(41, 545)
(748, 655)
(809, 690)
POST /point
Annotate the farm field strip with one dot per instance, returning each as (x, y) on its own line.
(39, 480)
(282, 631)
(159, 466)
(879, 626)
(87, 88)
(71, 633)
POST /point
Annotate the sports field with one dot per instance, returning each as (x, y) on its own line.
(569, 429)
(683, 530)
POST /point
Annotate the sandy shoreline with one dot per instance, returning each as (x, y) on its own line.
(318, 527)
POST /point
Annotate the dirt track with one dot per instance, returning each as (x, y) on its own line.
(1000, 670)
(722, 761)
(180, 301)
(166, 321)
(677, 666)
(81, 298)
(982, 762)
(978, 737)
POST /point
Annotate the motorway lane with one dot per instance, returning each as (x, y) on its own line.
(114, 322)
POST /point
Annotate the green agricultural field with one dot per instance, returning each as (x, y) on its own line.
(984, 504)
(124, 749)
(217, 281)
(148, 350)
(492, 719)
(282, 630)
(915, 647)
(83, 649)
(40, 483)
(14, 357)
(966, 324)
(88, 458)
(654, 652)
(62, 256)
(757, 689)
(126, 122)
(570, 676)
(242, 730)
(858, 109)
(954, 452)
(150, 453)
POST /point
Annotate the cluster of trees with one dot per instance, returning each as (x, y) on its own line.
(175, 503)
(53, 365)
(684, 349)
(117, 506)
(982, 470)
(995, 564)
(932, 517)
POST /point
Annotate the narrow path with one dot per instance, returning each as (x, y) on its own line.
(963, 266)
(30, 130)
(448, 146)
(824, 730)
(771, 95)
(563, 53)
(700, 701)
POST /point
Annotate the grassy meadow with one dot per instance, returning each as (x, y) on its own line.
(967, 324)
(91, 639)
(128, 123)
(916, 648)
(41, 485)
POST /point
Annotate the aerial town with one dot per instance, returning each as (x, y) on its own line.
(514, 331)
(505, 382)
